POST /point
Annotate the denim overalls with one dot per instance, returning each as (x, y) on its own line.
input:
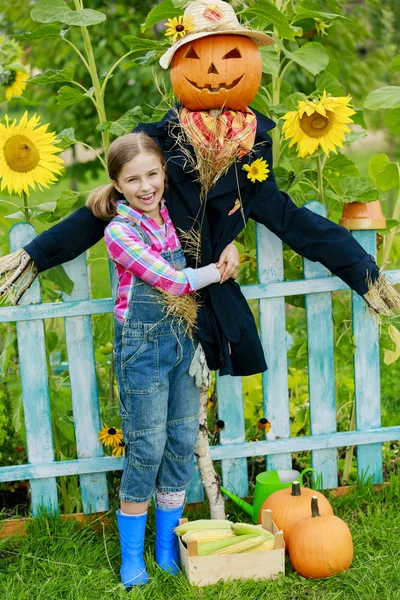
(159, 400)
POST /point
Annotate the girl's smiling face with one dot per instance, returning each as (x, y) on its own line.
(142, 181)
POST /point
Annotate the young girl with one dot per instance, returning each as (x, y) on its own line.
(159, 400)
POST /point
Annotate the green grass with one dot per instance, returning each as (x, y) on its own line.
(62, 560)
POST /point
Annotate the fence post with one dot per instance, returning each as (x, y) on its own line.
(273, 337)
(35, 391)
(321, 368)
(84, 393)
(366, 374)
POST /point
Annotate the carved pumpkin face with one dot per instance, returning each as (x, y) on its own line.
(217, 71)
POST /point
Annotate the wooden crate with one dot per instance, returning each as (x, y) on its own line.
(206, 570)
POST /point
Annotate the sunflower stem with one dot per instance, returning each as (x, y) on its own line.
(320, 173)
(393, 231)
(26, 207)
(99, 95)
(110, 72)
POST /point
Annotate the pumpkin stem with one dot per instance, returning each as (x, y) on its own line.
(314, 507)
(296, 488)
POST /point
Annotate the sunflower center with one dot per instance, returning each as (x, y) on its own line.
(254, 170)
(112, 431)
(21, 154)
(316, 125)
(179, 28)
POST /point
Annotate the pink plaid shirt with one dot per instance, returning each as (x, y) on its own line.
(134, 258)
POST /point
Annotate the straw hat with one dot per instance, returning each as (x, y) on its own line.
(212, 18)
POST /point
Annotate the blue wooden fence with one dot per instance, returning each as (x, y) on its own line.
(91, 466)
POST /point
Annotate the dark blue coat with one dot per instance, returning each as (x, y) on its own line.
(225, 315)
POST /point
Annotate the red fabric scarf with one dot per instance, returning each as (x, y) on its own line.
(232, 133)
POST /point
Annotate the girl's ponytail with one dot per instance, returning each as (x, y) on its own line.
(103, 202)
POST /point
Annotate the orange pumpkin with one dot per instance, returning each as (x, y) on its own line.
(290, 505)
(217, 71)
(320, 546)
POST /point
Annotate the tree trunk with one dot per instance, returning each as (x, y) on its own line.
(211, 481)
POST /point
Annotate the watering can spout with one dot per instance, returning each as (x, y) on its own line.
(239, 501)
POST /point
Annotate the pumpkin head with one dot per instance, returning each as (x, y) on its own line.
(320, 546)
(217, 71)
(292, 504)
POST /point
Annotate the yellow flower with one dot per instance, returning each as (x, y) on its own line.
(110, 436)
(27, 155)
(321, 27)
(179, 26)
(18, 85)
(119, 450)
(257, 170)
(315, 124)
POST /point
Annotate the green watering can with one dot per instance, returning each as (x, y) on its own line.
(267, 483)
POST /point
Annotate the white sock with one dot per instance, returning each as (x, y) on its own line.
(170, 500)
(126, 514)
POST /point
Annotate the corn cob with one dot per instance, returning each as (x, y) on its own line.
(243, 528)
(230, 546)
(267, 545)
(204, 524)
(207, 535)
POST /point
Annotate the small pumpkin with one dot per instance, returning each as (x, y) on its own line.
(217, 71)
(290, 505)
(320, 546)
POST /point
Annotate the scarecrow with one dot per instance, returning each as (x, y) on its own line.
(220, 175)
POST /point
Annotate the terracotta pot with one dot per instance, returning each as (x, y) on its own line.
(363, 215)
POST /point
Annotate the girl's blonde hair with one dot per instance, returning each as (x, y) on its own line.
(103, 200)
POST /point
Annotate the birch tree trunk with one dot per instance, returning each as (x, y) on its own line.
(211, 481)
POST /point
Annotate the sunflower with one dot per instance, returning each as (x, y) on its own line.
(257, 170)
(321, 123)
(179, 26)
(110, 436)
(119, 450)
(27, 155)
(16, 84)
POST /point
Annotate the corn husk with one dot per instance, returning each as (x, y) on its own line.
(382, 298)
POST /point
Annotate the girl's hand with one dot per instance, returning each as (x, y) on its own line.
(229, 262)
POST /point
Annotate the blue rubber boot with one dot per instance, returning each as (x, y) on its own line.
(167, 550)
(131, 535)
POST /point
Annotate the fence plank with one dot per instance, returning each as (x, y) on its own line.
(321, 369)
(35, 391)
(273, 337)
(82, 370)
(366, 374)
(228, 451)
(230, 410)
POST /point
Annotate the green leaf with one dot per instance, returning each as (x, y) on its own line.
(359, 189)
(312, 56)
(390, 223)
(354, 136)
(41, 32)
(261, 102)
(395, 64)
(51, 76)
(141, 45)
(270, 14)
(358, 118)
(66, 201)
(303, 13)
(8, 342)
(161, 12)
(392, 121)
(384, 97)
(49, 11)
(58, 276)
(126, 123)
(34, 211)
(326, 81)
(66, 138)
(384, 173)
(67, 95)
(270, 60)
(51, 341)
(336, 167)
